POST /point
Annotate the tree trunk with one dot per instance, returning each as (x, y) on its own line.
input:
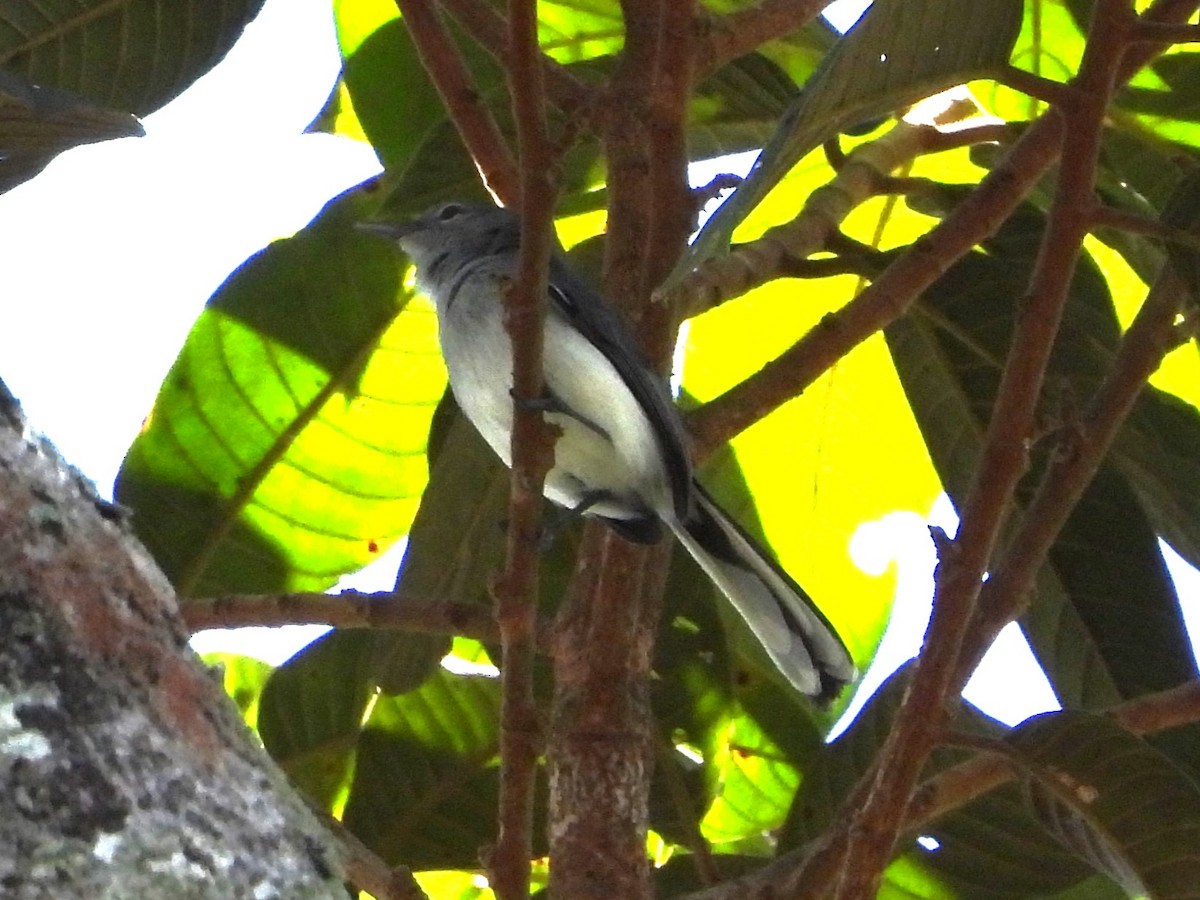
(124, 769)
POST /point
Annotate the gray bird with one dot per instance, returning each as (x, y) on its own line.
(621, 454)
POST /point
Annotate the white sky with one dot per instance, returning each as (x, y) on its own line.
(112, 251)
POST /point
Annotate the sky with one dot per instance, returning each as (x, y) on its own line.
(111, 252)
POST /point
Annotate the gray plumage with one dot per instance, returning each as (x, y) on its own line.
(622, 451)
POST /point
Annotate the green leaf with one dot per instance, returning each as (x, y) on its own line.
(426, 784)
(132, 55)
(460, 518)
(391, 95)
(899, 51)
(834, 771)
(1095, 648)
(1164, 98)
(1181, 210)
(311, 713)
(1121, 597)
(37, 123)
(1049, 45)
(992, 849)
(909, 877)
(1115, 801)
(286, 446)
(756, 785)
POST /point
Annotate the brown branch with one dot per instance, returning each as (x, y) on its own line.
(1167, 33)
(601, 737)
(1149, 338)
(1160, 13)
(454, 84)
(1035, 86)
(959, 785)
(349, 609)
(532, 457)
(1135, 223)
(888, 297)
(489, 28)
(365, 869)
(992, 133)
(728, 37)
(602, 740)
(625, 119)
(1002, 462)
(672, 205)
(689, 816)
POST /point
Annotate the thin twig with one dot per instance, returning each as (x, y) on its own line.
(689, 817)
(1134, 223)
(466, 108)
(990, 133)
(1035, 86)
(728, 37)
(957, 786)
(364, 868)
(1167, 33)
(489, 28)
(1145, 343)
(349, 609)
(532, 455)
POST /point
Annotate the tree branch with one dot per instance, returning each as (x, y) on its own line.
(364, 868)
(959, 785)
(759, 261)
(1001, 464)
(728, 37)
(1146, 342)
(490, 30)
(602, 745)
(1035, 86)
(349, 609)
(454, 84)
(532, 457)
(1167, 33)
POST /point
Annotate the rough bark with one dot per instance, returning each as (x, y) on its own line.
(124, 769)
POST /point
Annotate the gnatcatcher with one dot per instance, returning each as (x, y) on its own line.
(621, 454)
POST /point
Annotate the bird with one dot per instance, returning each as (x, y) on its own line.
(621, 454)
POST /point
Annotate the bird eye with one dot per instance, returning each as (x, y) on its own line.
(450, 211)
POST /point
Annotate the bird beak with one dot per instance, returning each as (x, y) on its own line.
(390, 230)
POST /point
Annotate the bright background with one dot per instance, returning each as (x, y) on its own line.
(111, 252)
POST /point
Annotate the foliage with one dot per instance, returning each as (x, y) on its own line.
(303, 429)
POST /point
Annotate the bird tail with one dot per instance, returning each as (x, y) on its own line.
(795, 634)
